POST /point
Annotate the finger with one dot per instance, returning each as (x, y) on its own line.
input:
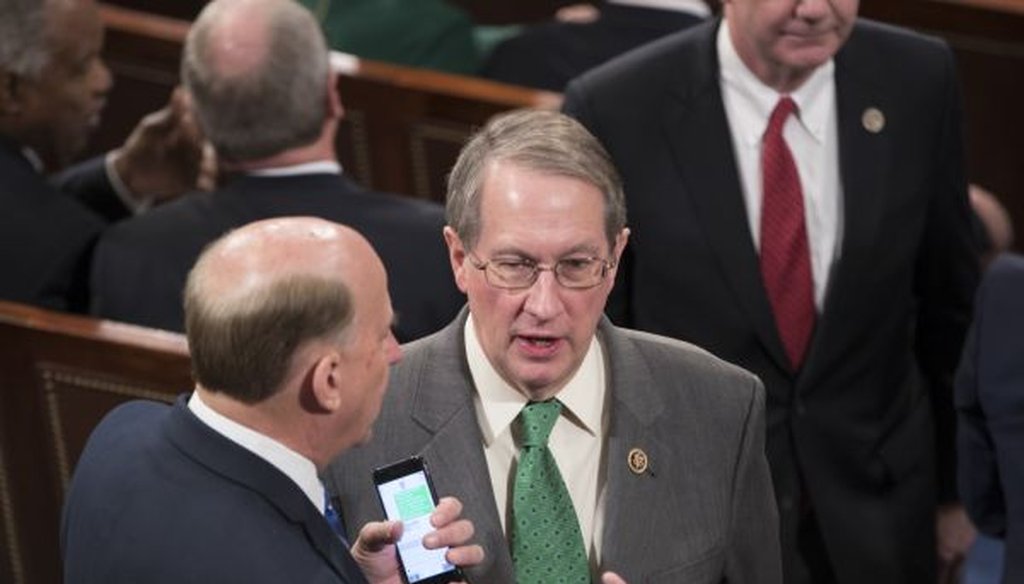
(377, 534)
(466, 555)
(612, 578)
(448, 510)
(453, 534)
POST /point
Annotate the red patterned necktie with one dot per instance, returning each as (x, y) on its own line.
(785, 256)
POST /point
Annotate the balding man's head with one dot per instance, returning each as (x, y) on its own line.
(259, 294)
(258, 73)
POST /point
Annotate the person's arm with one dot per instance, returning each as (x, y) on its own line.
(160, 159)
(977, 475)
(374, 549)
(946, 277)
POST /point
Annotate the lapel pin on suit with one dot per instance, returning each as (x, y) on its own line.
(637, 460)
(873, 120)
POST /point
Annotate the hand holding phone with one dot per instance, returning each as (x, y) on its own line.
(407, 494)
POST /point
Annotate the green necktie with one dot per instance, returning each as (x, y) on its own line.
(547, 547)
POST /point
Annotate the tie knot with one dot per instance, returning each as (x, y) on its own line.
(536, 421)
(780, 114)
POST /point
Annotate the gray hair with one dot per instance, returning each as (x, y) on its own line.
(24, 48)
(278, 105)
(544, 141)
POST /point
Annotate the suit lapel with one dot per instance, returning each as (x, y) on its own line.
(864, 158)
(698, 133)
(443, 406)
(238, 465)
(632, 499)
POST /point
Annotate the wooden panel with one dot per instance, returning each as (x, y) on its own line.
(403, 125)
(59, 375)
(414, 121)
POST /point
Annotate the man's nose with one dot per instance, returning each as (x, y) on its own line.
(543, 298)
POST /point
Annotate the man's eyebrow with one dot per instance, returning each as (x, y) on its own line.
(586, 248)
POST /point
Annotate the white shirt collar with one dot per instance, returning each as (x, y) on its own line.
(811, 98)
(583, 396)
(298, 468)
(316, 167)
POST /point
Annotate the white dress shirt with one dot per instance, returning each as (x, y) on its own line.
(812, 137)
(316, 167)
(298, 468)
(577, 440)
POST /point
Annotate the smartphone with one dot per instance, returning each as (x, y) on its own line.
(407, 494)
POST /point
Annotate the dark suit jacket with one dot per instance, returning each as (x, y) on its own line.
(141, 265)
(46, 236)
(704, 512)
(990, 403)
(160, 497)
(548, 55)
(856, 420)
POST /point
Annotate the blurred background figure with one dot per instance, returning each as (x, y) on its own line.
(423, 33)
(990, 438)
(53, 87)
(992, 223)
(263, 92)
(548, 55)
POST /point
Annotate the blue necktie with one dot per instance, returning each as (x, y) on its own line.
(334, 519)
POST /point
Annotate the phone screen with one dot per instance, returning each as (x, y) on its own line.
(407, 495)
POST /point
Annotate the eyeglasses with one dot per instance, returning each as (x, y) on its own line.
(516, 273)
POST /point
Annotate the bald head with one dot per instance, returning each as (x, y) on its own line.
(238, 36)
(261, 292)
(258, 73)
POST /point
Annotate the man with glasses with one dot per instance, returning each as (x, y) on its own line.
(577, 447)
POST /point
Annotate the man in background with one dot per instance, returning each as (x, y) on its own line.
(990, 407)
(289, 329)
(798, 204)
(265, 97)
(549, 54)
(53, 85)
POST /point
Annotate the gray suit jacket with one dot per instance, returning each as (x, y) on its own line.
(704, 510)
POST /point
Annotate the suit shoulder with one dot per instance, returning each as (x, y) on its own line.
(432, 351)
(661, 57)
(184, 218)
(404, 209)
(131, 418)
(883, 45)
(673, 361)
(1007, 267)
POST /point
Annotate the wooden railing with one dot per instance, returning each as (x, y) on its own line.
(59, 375)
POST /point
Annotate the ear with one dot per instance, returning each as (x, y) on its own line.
(327, 382)
(334, 108)
(620, 244)
(457, 256)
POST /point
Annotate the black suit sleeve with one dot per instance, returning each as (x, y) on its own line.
(946, 279)
(88, 182)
